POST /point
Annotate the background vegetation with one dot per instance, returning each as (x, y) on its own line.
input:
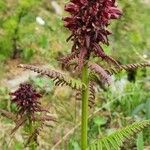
(31, 31)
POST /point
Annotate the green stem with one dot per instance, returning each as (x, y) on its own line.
(85, 96)
(31, 129)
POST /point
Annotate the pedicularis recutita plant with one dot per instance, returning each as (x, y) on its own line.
(88, 23)
(30, 113)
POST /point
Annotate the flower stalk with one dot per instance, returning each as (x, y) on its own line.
(85, 97)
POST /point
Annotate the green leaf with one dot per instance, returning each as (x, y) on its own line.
(116, 139)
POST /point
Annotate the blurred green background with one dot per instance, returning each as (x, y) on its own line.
(31, 31)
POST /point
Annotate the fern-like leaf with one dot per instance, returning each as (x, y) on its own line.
(59, 78)
(127, 67)
(67, 59)
(98, 51)
(33, 137)
(19, 123)
(116, 139)
(44, 118)
(91, 94)
(101, 72)
(8, 114)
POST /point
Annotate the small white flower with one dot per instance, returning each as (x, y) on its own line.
(145, 56)
(40, 21)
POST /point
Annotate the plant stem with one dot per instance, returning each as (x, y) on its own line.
(85, 96)
(32, 146)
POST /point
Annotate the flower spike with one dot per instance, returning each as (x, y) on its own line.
(88, 22)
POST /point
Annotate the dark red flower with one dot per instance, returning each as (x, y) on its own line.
(26, 99)
(88, 23)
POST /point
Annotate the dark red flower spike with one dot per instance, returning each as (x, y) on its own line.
(88, 22)
(26, 99)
